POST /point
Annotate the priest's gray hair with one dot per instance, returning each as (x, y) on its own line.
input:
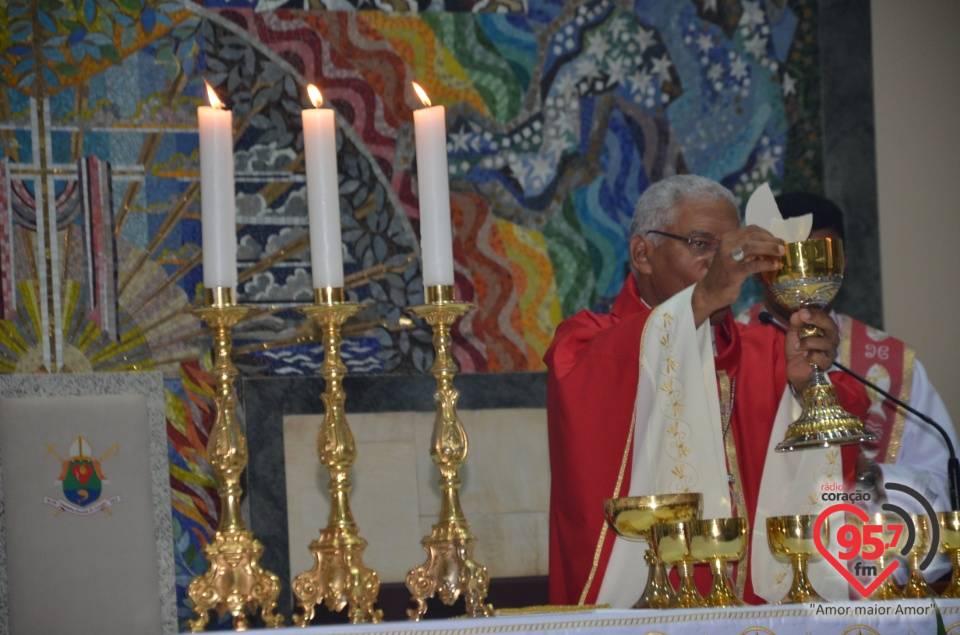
(657, 207)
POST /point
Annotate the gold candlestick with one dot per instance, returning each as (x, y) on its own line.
(450, 568)
(338, 577)
(234, 581)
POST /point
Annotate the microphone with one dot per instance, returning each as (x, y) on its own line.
(953, 464)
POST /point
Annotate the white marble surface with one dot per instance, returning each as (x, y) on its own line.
(395, 499)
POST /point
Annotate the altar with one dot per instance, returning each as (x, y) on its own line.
(873, 618)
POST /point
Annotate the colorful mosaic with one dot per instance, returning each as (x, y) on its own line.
(559, 115)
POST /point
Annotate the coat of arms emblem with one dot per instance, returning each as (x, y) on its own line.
(81, 479)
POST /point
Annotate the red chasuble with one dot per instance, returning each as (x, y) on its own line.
(593, 366)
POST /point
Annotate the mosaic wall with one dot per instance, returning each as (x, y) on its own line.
(559, 115)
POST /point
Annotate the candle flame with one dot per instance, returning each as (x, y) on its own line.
(315, 97)
(422, 94)
(212, 96)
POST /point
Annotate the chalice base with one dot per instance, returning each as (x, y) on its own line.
(721, 593)
(658, 593)
(917, 587)
(953, 589)
(234, 583)
(801, 591)
(338, 579)
(449, 571)
(886, 591)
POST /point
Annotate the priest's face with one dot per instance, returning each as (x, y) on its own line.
(672, 265)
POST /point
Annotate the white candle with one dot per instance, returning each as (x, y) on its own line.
(323, 198)
(436, 237)
(218, 208)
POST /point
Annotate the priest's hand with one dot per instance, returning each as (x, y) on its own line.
(741, 254)
(803, 353)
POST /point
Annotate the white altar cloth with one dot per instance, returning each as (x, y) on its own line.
(900, 617)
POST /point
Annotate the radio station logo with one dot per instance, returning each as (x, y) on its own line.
(863, 541)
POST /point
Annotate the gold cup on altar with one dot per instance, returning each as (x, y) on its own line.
(717, 541)
(893, 535)
(950, 544)
(632, 518)
(671, 542)
(810, 275)
(917, 586)
(792, 538)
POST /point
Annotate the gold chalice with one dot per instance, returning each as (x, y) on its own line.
(671, 542)
(717, 540)
(632, 517)
(792, 537)
(810, 275)
(917, 586)
(950, 543)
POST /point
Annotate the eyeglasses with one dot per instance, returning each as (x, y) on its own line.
(700, 246)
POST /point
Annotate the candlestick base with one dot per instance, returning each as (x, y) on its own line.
(234, 581)
(338, 578)
(450, 568)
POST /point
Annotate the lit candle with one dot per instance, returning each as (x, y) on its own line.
(218, 208)
(323, 198)
(436, 237)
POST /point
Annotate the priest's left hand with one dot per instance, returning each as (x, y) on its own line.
(803, 353)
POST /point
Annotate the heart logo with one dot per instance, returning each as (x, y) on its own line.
(81, 472)
(839, 566)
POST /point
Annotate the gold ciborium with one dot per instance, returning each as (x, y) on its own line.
(950, 543)
(792, 537)
(810, 275)
(632, 517)
(671, 542)
(716, 541)
(917, 586)
(893, 541)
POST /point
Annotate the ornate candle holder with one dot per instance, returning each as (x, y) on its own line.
(338, 577)
(234, 581)
(450, 568)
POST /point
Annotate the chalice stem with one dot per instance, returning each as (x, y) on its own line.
(887, 589)
(658, 594)
(801, 591)
(720, 592)
(953, 591)
(687, 594)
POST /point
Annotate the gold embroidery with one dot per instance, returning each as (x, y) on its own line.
(896, 435)
(677, 471)
(667, 386)
(677, 408)
(667, 320)
(674, 428)
(730, 449)
(684, 450)
(671, 365)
